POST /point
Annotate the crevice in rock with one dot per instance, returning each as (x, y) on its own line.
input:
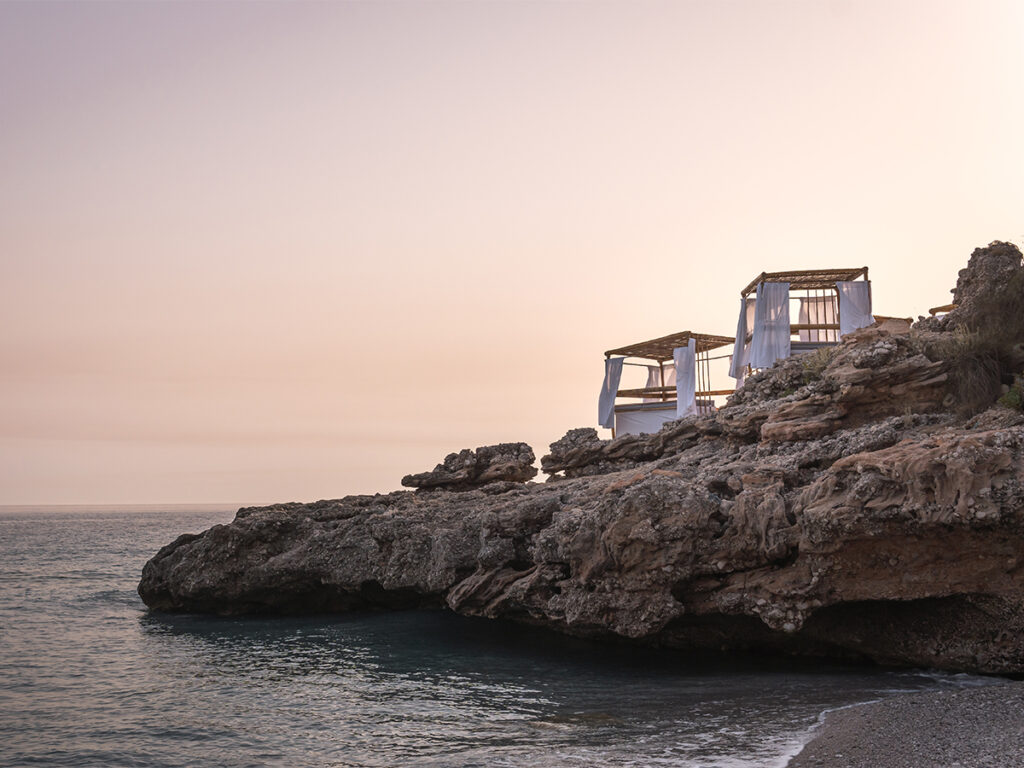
(955, 632)
(720, 487)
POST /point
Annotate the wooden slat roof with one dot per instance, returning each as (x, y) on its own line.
(808, 279)
(661, 349)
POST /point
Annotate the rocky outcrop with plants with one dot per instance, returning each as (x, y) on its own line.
(865, 501)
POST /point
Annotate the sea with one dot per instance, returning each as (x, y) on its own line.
(90, 677)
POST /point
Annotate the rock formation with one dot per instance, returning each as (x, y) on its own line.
(508, 462)
(989, 271)
(841, 504)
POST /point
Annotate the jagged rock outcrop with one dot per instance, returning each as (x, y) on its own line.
(839, 505)
(506, 462)
(872, 375)
(580, 453)
(988, 272)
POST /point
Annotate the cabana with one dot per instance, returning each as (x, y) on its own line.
(830, 304)
(678, 382)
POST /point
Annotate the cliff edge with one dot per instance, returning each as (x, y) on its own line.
(862, 501)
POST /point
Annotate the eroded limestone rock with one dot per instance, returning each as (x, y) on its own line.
(989, 269)
(836, 506)
(506, 462)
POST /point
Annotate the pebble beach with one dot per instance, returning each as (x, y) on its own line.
(970, 728)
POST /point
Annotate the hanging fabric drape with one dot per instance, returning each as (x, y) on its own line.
(741, 348)
(653, 380)
(609, 389)
(854, 305)
(659, 376)
(686, 379)
(770, 340)
(816, 310)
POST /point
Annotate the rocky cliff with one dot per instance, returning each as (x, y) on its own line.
(864, 501)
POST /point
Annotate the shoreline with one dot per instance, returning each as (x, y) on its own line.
(972, 727)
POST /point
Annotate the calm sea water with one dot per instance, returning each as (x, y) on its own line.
(89, 677)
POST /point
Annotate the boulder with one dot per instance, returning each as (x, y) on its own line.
(580, 453)
(506, 462)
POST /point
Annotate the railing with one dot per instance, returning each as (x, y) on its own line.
(663, 392)
(797, 327)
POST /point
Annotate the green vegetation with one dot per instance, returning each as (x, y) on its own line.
(1015, 397)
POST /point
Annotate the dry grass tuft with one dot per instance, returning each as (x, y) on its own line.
(814, 363)
(984, 352)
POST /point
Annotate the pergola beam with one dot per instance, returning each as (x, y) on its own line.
(807, 279)
(660, 350)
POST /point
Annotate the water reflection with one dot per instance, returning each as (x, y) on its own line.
(88, 677)
(428, 686)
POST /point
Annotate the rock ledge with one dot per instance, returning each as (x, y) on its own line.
(842, 504)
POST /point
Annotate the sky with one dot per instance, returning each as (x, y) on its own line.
(269, 251)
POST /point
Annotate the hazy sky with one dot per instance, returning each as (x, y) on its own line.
(276, 251)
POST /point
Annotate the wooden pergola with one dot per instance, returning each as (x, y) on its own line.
(807, 279)
(813, 285)
(661, 351)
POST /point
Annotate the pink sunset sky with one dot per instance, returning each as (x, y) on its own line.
(288, 251)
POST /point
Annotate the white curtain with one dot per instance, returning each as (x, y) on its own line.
(854, 305)
(653, 376)
(741, 349)
(815, 310)
(610, 388)
(653, 380)
(686, 379)
(770, 341)
(658, 376)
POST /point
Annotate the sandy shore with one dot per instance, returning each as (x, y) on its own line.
(956, 729)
